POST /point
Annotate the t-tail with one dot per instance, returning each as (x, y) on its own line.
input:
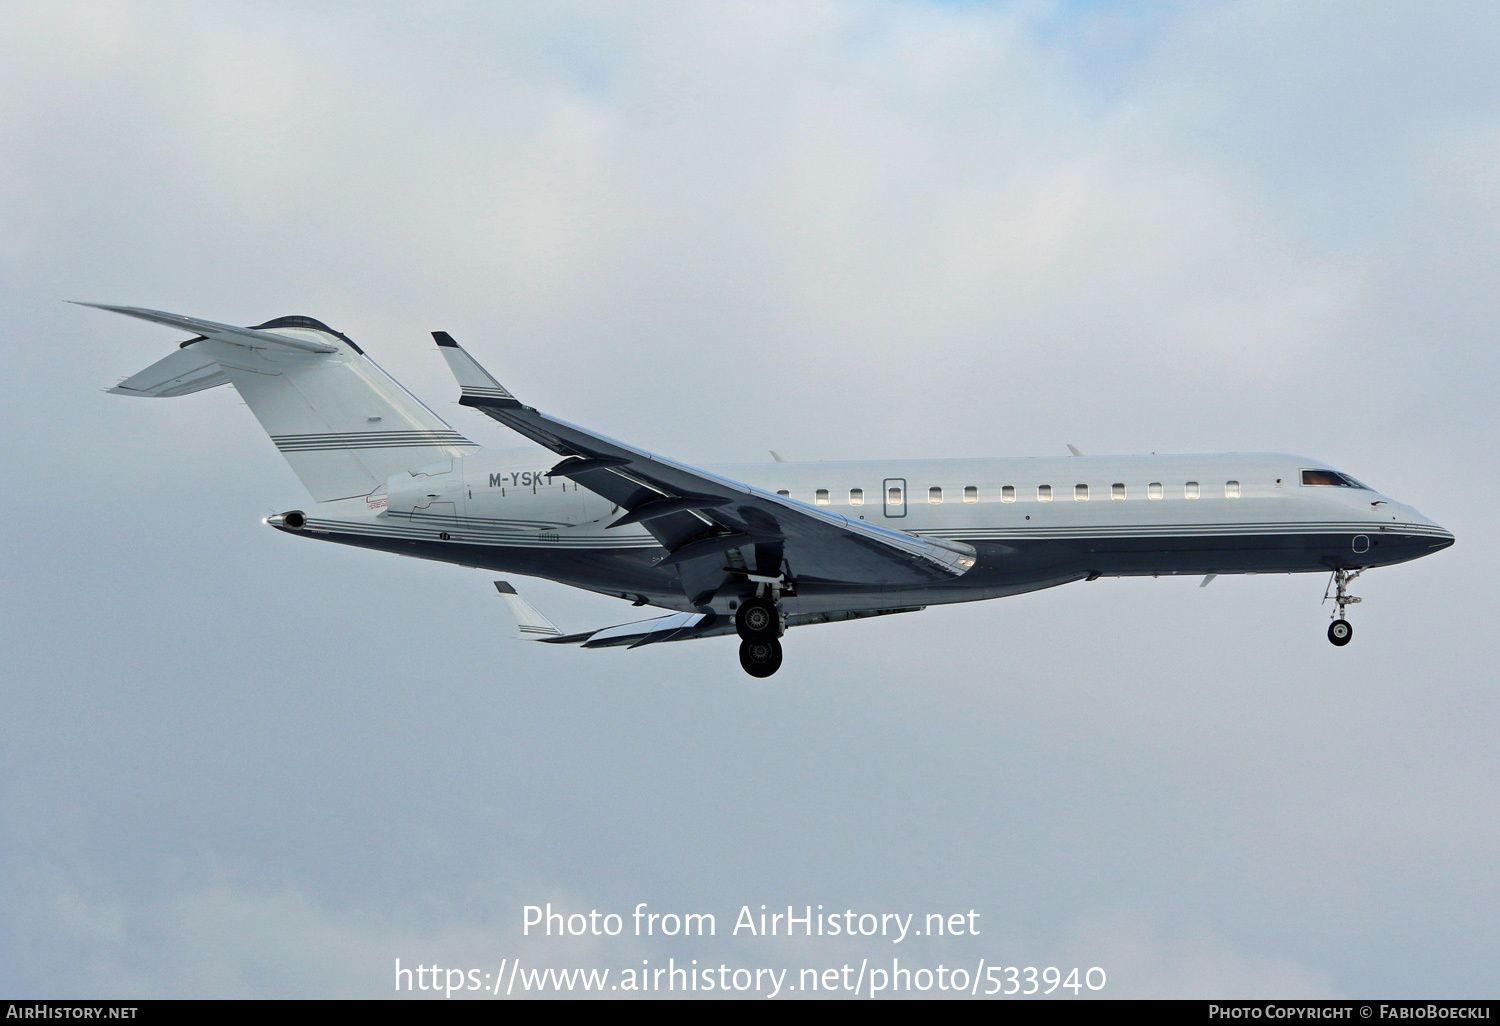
(343, 424)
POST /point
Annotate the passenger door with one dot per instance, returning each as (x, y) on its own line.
(893, 492)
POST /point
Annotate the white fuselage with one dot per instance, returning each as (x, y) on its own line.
(1036, 522)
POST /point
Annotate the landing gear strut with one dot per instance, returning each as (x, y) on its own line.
(1341, 631)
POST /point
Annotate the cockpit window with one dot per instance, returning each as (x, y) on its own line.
(1330, 477)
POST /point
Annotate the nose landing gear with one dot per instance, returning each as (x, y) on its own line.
(1341, 631)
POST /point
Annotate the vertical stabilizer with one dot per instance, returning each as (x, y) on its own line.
(342, 423)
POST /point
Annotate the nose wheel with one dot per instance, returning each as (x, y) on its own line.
(1341, 631)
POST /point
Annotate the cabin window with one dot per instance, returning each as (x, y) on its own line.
(934, 495)
(971, 493)
(1154, 490)
(1190, 490)
(1008, 493)
(1081, 493)
(1117, 491)
(1231, 489)
(784, 493)
(893, 496)
(1043, 493)
(856, 496)
(820, 497)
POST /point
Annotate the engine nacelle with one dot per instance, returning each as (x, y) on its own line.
(432, 491)
(515, 488)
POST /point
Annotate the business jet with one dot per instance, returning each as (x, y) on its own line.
(754, 549)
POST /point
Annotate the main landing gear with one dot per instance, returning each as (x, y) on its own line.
(1341, 631)
(758, 623)
(760, 658)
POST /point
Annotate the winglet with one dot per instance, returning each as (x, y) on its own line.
(477, 385)
(1073, 449)
(530, 625)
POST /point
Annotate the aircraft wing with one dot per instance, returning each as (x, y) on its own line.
(699, 517)
(531, 625)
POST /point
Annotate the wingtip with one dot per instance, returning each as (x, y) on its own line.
(444, 339)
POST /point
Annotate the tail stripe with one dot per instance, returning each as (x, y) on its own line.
(367, 440)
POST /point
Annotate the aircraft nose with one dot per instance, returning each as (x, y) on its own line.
(1439, 537)
(1404, 519)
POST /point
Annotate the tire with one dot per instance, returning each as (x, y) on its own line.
(760, 658)
(1340, 632)
(757, 620)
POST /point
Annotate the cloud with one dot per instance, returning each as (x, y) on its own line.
(1146, 961)
(833, 229)
(230, 941)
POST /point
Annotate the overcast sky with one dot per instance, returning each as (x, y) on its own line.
(234, 762)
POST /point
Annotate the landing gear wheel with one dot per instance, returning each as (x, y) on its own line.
(757, 620)
(1340, 632)
(761, 657)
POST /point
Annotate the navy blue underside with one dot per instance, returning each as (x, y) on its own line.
(1008, 565)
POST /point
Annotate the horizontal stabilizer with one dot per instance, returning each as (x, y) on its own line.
(184, 372)
(250, 338)
(530, 625)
